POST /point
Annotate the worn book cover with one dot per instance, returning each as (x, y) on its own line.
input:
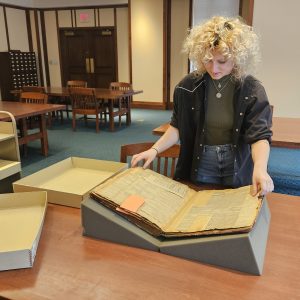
(167, 208)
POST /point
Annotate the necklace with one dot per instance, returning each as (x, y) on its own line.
(219, 87)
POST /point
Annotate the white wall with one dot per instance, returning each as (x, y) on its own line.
(147, 49)
(279, 70)
(17, 29)
(3, 40)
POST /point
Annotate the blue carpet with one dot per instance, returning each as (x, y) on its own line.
(85, 142)
(284, 168)
(284, 164)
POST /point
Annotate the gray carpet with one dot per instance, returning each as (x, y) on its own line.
(284, 164)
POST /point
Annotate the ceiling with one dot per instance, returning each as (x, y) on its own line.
(61, 3)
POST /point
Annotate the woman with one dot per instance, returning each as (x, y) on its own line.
(221, 115)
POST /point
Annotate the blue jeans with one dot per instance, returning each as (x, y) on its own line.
(217, 164)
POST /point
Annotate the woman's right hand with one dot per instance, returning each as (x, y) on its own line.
(148, 155)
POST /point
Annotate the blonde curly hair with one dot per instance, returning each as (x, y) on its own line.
(231, 37)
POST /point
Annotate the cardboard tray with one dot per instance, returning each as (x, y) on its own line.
(69, 181)
(21, 221)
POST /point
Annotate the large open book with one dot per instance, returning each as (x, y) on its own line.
(167, 208)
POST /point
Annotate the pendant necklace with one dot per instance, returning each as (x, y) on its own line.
(219, 87)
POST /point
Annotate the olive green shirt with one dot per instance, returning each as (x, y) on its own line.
(220, 111)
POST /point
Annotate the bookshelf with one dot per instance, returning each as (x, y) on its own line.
(10, 164)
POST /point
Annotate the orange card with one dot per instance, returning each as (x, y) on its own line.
(132, 203)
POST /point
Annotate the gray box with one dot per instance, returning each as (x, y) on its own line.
(102, 223)
(243, 252)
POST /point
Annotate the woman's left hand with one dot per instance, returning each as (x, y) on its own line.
(262, 183)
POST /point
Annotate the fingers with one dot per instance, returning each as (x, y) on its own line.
(148, 156)
(254, 189)
(267, 187)
(263, 188)
(147, 163)
(134, 160)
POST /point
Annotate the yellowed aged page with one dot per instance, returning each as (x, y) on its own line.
(163, 197)
(217, 210)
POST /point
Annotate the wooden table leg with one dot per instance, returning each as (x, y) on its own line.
(128, 107)
(44, 135)
(23, 135)
(111, 116)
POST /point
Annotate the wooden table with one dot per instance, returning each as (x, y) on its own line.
(122, 99)
(21, 111)
(161, 129)
(286, 132)
(70, 266)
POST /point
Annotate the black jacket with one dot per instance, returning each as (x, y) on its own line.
(252, 122)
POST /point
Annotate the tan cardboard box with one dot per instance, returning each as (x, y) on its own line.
(21, 221)
(68, 182)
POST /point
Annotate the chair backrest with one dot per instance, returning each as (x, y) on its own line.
(33, 97)
(164, 163)
(31, 88)
(83, 98)
(77, 83)
(120, 86)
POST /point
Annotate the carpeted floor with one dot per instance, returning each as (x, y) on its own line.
(284, 164)
(85, 142)
(284, 168)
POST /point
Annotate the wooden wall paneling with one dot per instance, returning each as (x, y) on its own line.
(37, 30)
(180, 13)
(129, 42)
(45, 48)
(122, 44)
(74, 18)
(29, 31)
(116, 44)
(167, 53)
(59, 47)
(98, 14)
(246, 9)
(190, 25)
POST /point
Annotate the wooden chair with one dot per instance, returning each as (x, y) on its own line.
(120, 86)
(164, 163)
(41, 89)
(76, 83)
(123, 103)
(84, 102)
(33, 97)
(31, 88)
(31, 122)
(71, 84)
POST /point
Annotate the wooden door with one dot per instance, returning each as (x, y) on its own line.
(104, 57)
(88, 54)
